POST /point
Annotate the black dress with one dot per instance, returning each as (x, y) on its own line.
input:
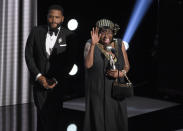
(103, 113)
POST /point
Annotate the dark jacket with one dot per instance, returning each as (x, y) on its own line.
(57, 65)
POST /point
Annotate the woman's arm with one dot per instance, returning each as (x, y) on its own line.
(89, 48)
(127, 65)
(89, 55)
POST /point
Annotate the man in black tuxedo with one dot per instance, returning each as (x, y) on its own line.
(48, 55)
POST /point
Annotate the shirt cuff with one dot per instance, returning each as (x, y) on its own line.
(38, 75)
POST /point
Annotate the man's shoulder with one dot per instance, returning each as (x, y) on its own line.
(67, 31)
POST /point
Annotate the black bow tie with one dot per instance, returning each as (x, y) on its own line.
(53, 30)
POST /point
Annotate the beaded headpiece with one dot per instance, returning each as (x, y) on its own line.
(109, 24)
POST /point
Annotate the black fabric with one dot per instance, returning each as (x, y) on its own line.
(55, 30)
(121, 86)
(57, 65)
(49, 117)
(103, 113)
(122, 90)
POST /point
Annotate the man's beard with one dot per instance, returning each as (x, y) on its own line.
(58, 25)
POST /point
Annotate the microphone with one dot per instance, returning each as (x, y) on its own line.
(108, 48)
(113, 50)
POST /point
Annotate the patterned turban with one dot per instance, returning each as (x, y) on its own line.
(109, 24)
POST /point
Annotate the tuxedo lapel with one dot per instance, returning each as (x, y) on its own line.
(43, 39)
(60, 42)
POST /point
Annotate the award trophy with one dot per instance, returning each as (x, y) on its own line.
(111, 59)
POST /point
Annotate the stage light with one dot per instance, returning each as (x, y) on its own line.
(72, 24)
(74, 70)
(126, 45)
(139, 11)
(72, 127)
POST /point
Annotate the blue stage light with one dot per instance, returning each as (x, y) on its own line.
(139, 11)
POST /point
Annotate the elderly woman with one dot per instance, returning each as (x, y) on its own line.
(103, 66)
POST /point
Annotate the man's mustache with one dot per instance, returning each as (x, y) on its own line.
(54, 23)
(58, 24)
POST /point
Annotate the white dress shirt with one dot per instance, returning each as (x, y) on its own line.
(50, 42)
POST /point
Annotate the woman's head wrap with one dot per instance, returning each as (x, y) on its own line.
(105, 23)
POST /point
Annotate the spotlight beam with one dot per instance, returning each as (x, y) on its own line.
(139, 11)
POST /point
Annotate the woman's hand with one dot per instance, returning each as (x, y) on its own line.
(95, 36)
(114, 73)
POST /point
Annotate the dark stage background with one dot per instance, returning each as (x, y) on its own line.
(154, 53)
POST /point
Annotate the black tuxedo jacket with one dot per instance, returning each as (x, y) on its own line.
(56, 66)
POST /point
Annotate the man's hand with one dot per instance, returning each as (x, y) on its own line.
(51, 82)
(43, 81)
(51, 86)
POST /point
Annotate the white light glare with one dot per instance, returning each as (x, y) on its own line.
(72, 127)
(72, 24)
(74, 70)
(126, 45)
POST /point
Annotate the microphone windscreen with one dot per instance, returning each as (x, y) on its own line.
(113, 50)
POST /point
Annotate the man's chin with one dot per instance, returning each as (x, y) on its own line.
(53, 27)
